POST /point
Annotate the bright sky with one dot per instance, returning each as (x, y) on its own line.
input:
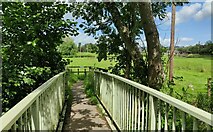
(193, 25)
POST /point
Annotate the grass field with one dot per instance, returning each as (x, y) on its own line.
(194, 71)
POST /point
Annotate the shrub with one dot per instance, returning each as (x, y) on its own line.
(90, 89)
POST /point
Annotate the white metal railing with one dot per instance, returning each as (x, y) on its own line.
(133, 106)
(40, 110)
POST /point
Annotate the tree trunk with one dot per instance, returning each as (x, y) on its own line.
(128, 65)
(132, 48)
(155, 70)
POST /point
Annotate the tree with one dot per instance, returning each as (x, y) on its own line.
(121, 24)
(31, 33)
(92, 48)
(68, 47)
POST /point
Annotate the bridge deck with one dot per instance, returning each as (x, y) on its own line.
(81, 115)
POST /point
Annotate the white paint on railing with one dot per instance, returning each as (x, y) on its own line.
(39, 110)
(138, 107)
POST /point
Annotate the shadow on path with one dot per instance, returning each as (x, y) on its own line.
(80, 115)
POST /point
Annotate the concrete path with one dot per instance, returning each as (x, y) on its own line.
(81, 115)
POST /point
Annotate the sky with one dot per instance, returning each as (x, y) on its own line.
(193, 25)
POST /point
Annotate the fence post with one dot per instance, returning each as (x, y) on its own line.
(209, 86)
(78, 71)
(85, 72)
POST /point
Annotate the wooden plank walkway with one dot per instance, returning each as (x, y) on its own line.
(81, 115)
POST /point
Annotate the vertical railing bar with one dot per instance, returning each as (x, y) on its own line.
(41, 111)
(183, 116)
(147, 104)
(119, 104)
(26, 123)
(30, 117)
(139, 109)
(14, 127)
(152, 113)
(133, 108)
(130, 101)
(136, 103)
(143, 112)
(20, 123)
(174, 119)
(166, 117)
(209, 128)
(159, 115)
(195, 124)
(123, 106)
(128, 106)
(113, 99)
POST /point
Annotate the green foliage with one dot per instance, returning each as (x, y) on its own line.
(31, 33)
(89, 88)
(81, 76)
(205, 49)
(91, 48)
(68, 47)
(99, 18)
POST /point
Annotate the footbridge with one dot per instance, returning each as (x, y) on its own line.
(130, 106)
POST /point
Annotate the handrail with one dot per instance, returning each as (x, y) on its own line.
(23, 110)
(175, 103)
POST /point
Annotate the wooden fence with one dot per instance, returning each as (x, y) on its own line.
(83, 69)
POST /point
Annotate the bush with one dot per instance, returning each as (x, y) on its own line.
(81, 77)
(90, 89)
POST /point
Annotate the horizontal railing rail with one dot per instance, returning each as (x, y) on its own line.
(40, 110)
(133, 106)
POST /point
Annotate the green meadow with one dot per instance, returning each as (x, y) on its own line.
(193, 72)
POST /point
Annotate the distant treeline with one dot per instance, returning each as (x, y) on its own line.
(206, 49)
